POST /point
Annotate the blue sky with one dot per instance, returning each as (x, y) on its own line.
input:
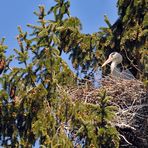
(91, 13)
(15, 13)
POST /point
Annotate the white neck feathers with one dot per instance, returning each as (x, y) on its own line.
(114, 70)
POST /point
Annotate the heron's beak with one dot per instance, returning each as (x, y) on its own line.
(107, 61)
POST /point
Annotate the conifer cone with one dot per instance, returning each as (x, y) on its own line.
(12, 92)
(2, 65)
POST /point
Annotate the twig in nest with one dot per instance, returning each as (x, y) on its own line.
(122, 125)
(125, 139)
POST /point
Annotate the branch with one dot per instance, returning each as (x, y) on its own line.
(125, 139)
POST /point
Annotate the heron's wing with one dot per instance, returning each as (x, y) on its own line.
(126, 74)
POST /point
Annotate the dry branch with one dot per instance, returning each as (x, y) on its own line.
(131, 99)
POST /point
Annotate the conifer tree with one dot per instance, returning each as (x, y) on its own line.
(34, 105)
(128, 35)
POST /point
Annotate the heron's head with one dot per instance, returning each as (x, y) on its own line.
(113, 57)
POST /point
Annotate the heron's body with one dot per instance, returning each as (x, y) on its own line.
(116, 59)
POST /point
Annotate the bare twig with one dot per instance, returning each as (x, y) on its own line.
(125, 139)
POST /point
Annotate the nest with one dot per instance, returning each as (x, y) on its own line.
(131, 99)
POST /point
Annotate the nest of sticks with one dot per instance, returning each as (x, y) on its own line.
(131, 99)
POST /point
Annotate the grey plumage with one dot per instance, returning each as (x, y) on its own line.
(116, 58)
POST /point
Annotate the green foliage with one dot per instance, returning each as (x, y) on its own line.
(93, 123)
(29, 94)
(60, 9)
(132, 37)
(128, 35)
(33, 102)
(107, 21)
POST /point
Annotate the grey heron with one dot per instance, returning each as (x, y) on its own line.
(116, 58)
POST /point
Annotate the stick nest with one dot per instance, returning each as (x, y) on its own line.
(131, 99)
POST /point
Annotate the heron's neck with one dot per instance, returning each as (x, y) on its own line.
(114, 70)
